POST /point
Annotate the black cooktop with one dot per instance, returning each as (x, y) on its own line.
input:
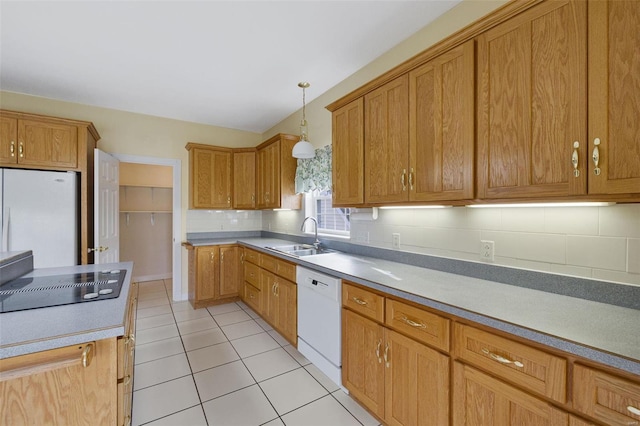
(40, 292)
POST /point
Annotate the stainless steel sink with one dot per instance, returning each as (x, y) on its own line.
(301, 250)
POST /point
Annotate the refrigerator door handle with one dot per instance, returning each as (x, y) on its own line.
(5, 230)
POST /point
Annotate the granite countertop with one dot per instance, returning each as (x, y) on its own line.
(597, 331)
(34, 330)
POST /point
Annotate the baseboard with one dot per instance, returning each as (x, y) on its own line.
(143, 278)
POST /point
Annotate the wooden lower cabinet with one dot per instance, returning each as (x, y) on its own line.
(280, 304)
(215, 274)
(270, 290)
(398, 379)
(480, 400)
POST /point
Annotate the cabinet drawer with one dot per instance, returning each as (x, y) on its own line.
(253, 297)
(286, 270)
(424, 326)
(268, 262)
(252, 274)
(251, 256)
(606, 397)
(533, 369)
(363, 301)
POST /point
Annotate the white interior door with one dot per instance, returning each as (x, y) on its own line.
(106, 209)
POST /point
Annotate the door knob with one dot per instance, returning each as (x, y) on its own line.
(98, 249)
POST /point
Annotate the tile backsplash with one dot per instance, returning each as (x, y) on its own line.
(592, 242)
(223, 220)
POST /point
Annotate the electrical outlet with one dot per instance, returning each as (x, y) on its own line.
(487, 250)
(395, 240)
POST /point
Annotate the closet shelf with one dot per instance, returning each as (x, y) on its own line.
(146, 211)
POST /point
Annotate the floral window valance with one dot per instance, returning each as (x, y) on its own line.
(314, 174)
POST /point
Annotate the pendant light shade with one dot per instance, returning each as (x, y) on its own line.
(303, 149)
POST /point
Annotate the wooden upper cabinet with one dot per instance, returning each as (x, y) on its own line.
(348, 154)
(276, 171)
(386, 141)
(532, 103)
(244, 179)
(36, 143)
(209, 177)
(614, 90)
(47, 144)
(441, 127)
(8, 140)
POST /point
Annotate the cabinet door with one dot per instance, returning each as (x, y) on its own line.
(479, 400)
(207, 274)
(348, 154)
(532, 103)
(268, 176)
(362, 363)
(53, 387)
(441, 127)
(272, 177)
(614, 90)
(270, 301)
(416, 383)
(287, 294)
(47, 144)
(210, 179)
(386, 142)
(8, 140)
(230, 272)
(244, 180)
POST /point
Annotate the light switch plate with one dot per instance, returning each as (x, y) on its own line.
(395, 240)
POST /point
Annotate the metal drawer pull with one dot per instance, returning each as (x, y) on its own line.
(411, 179)
(386, 355)
(413, 323)
(13, 148)
(403, 179)
(87, 355)
(501, 359)
(633, 410)
(574, 159)
(359, 301)
(127, 380)
(378, 351)
(596, 156)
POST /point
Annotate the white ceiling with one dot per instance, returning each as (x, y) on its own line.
(233, 64)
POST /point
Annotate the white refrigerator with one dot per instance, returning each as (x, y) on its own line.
(40, 213)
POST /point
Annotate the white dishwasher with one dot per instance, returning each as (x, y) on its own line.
(319, 321)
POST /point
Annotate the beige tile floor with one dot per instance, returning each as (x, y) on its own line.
(226, 366)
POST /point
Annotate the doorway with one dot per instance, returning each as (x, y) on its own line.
(165, 212)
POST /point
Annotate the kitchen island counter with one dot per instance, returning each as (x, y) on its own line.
(35, 330)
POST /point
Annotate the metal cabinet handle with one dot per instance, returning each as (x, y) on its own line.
(411, 179)
(574, 159)
(87, 355)
(127, 380)
(252, 296)
(222, 257)
(21, 149)
(633, 410)
(386, 355)
(359, 301)
(403, 178)
(412, 323)
(253, 198)
(501, 359)
(596, 156)
(228, 199)
(12, 148)
(378, 351)
(130, 339)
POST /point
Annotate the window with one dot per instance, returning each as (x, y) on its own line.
(334, 221)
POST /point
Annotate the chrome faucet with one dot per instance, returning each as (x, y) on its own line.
(316, 243)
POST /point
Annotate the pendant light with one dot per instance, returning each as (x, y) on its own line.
(303, 149)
